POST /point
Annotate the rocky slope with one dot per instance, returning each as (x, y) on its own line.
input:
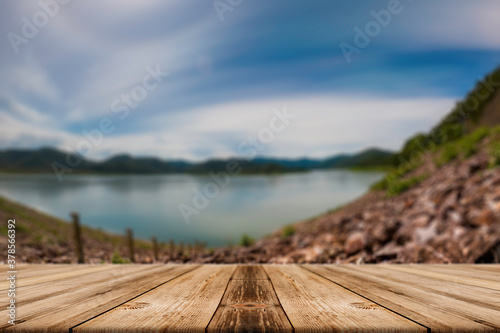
(451, 217)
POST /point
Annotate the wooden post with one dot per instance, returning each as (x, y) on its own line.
(78, 237)
(130, 238)
(155, 247)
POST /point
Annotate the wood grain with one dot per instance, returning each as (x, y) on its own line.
(250, 305)
(447, 277)
(184, 304)
(85, 298)
(256, 298)
(43, 276)
(314, 304)
(481, 273)
(440, 312)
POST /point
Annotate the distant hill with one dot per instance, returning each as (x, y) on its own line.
(41, 160)
(366, 159)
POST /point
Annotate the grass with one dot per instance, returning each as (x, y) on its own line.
(448, 154)
(117, 259)
(288, 231)
(464, 147)
(395, 181)
(494, 149)
(246, 240)
(401, 185)
(453, 126)
(397, 174)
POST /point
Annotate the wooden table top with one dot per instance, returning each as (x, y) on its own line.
(254, 298)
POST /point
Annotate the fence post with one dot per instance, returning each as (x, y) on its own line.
(78, 237)
(130, 238)
(155, 247)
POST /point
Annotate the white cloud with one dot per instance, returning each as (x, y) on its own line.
(325, 125)
(33, 79)
(449, 24)
(27, 113)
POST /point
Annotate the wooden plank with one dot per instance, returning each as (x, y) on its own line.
(441, 313)
(464, 271)
(250, 304)
(471, 294)
(113, 287)
(30, 270)
(184, 304)
(486, 267)
(314, 304)
(447, 277)
(23, 281)
(249, 272)
(46, 289)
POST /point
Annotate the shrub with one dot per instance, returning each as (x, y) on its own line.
(495, 154)
(117, 259)
(399, 186)
(469, 144)
(448, 154)
(246, 240)
(288, 231)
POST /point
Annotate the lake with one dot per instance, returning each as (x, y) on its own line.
(149, 204)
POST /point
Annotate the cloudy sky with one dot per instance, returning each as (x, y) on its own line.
(69, 67)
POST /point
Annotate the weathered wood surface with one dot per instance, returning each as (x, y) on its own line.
(250, 304)
(255, 298)
(434, 303)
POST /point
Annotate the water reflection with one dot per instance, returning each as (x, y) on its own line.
(255, 205)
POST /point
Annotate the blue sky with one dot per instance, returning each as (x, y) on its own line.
(228, 71)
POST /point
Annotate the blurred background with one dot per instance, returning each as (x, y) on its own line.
(133, 113)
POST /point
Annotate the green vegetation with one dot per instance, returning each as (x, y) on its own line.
(448, 154)
(460, 121)
(464, 147)
(396, 174)
(495, 154)
(33, 161)
(288, 231)
(395, 181)
(401, 185)
(494, 147)
(457, 136)
(246, 240)
(117, 259)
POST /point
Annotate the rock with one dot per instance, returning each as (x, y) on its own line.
(491, 256)
(389, 252)
(486, 217)
(354, 243)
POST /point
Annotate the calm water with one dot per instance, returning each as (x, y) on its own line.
(256, 205)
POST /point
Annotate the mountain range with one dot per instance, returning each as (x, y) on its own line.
(42, 161)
